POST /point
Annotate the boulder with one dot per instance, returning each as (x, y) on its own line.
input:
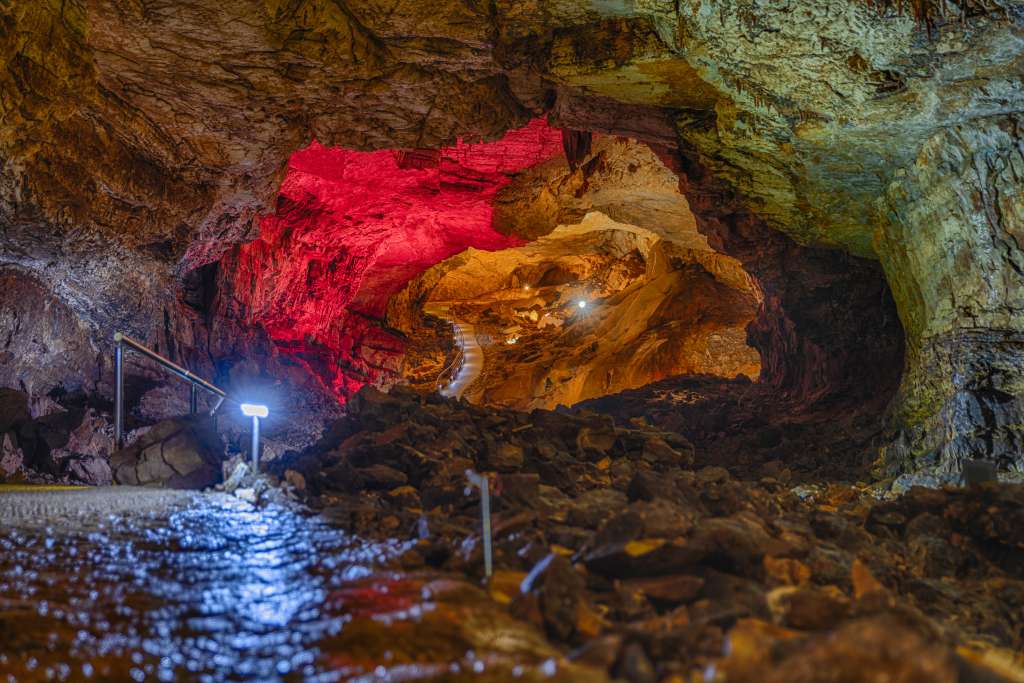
(11, 457)
(561, 590)
(647, 485)
(88, 469)
(596, 440)
(668, 590)
(642, 519)
(506, 457)
(657, 452)
(184, 453)
(381, 477)
(595, 506)
(13, 408)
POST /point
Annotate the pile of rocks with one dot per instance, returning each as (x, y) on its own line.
(754, 430)
(53, 443)
(605, 537)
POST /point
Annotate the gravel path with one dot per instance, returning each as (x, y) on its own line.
(45, 506)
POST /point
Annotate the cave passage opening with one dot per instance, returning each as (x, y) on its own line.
(588, 310)
(370, 256)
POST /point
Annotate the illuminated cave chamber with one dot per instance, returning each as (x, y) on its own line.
(351, 229)
(509, 237)
(588, 310)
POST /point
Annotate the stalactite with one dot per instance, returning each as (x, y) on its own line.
(928, 14)
(576, 145)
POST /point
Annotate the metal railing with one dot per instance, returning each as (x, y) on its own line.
(120, 342)
(451, 371)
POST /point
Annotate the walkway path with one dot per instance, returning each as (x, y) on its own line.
(472, 364)
(121, 584)
(473, 355)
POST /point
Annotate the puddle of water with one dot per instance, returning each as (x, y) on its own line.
(209, 588)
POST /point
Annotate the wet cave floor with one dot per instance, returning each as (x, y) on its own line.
(620, 553)
(135, 584)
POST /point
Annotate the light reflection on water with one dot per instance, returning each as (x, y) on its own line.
(132, 585)
(216, 590)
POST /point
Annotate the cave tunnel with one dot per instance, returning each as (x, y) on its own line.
(363, 244)
(606, 341)
(374, 264)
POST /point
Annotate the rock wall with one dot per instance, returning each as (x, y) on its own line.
(653, 309)
(827, 327)
(352, 228)
(139, 141)
(43, 345)
(952, 249)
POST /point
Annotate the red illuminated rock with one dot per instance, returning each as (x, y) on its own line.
(352, 228)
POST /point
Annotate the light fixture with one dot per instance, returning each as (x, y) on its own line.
(526, 287)
(582, 304)
(254, 410)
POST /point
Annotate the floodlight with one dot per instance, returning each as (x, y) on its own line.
(254, 410)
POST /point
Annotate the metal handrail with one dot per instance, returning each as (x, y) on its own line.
(196, 382)
(460, 357)
(455, 366)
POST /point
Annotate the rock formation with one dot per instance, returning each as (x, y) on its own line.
(795, 228)
(611, 540)
(951, 248)
(141, 143)
(651, 309)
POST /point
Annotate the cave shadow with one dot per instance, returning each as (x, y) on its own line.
(753, 431)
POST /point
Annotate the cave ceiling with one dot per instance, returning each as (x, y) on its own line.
(141, 140)
(167, 125)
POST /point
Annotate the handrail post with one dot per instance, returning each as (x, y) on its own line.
(118, 392)
(255, 444)
(481, 482)
(485, 512)
(123, 343)
(216, 405)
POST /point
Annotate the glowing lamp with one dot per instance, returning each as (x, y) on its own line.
(254, 410)
(582, 304)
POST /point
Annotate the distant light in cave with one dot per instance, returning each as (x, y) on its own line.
(582, 304)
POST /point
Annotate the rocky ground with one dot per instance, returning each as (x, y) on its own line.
(638, 552)
(754, 430)
(52, 442)
(636, 557)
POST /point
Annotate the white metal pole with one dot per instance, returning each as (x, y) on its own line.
(485, 512)
(118, 392)
(255, 443)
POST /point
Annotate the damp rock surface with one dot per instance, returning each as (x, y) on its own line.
(673, 569)
(143, 149)
(129, 584)
(184, 453)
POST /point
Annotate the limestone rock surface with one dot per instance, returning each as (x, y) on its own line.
(182, 454)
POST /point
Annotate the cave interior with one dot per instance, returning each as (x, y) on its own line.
(731, 329)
